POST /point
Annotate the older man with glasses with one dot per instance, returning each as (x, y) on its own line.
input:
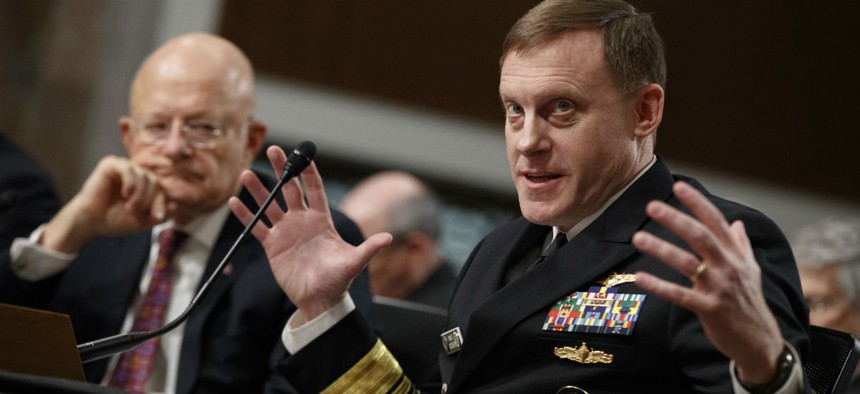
(828, 259)
(128, 251)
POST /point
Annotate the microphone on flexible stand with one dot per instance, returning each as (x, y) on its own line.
(298, 160)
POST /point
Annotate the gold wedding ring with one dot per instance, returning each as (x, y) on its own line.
(700, 269)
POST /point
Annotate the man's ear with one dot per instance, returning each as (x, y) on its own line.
(256, 137)
(125, 132)
(415, 238)
(418, 242)
(649, 109)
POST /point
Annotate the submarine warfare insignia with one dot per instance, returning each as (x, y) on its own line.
(583, 354)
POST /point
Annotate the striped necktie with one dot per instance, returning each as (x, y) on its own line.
(133, 369)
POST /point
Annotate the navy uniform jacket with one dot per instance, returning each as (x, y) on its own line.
(505, 348)
(231, 341)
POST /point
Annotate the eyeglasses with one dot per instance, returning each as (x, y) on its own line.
(200, 135)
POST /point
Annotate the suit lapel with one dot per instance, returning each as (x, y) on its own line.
(116, 261)
(133, 250)
(193, 340)
(590, 255)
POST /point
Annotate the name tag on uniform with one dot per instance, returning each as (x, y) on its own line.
(452, 340)
(600, 310)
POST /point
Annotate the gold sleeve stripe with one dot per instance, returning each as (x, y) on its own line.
(376, 372)
(404, 386)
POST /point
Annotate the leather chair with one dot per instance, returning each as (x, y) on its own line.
(831, 363)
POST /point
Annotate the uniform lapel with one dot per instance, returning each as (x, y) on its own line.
(485, 273)
(588, 256)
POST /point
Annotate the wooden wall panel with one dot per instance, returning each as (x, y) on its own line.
(763, 89)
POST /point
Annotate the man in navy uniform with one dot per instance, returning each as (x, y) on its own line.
(650, 283)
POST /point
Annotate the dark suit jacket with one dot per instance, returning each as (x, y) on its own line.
(505, 349)
(231, 341)
(27, 199)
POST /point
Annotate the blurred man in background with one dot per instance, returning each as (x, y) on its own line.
(410, 283)
(411, 268)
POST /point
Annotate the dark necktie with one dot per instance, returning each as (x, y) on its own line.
(134, 366)
(556, 244)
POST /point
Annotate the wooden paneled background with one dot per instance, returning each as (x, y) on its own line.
(765, 89)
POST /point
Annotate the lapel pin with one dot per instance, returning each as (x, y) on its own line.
(452, 340)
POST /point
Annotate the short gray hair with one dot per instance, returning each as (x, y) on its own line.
(831, 242)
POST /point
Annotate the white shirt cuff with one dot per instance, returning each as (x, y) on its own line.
(34, 262)
(295, 338)
(794, 383)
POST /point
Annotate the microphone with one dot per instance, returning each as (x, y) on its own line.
(298, 160)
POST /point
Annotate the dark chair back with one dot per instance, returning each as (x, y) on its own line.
(831, 363)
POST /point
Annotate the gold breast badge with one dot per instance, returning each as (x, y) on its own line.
(583, 354)
(617, 279)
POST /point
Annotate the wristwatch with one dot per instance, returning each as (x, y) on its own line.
(784, 366)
